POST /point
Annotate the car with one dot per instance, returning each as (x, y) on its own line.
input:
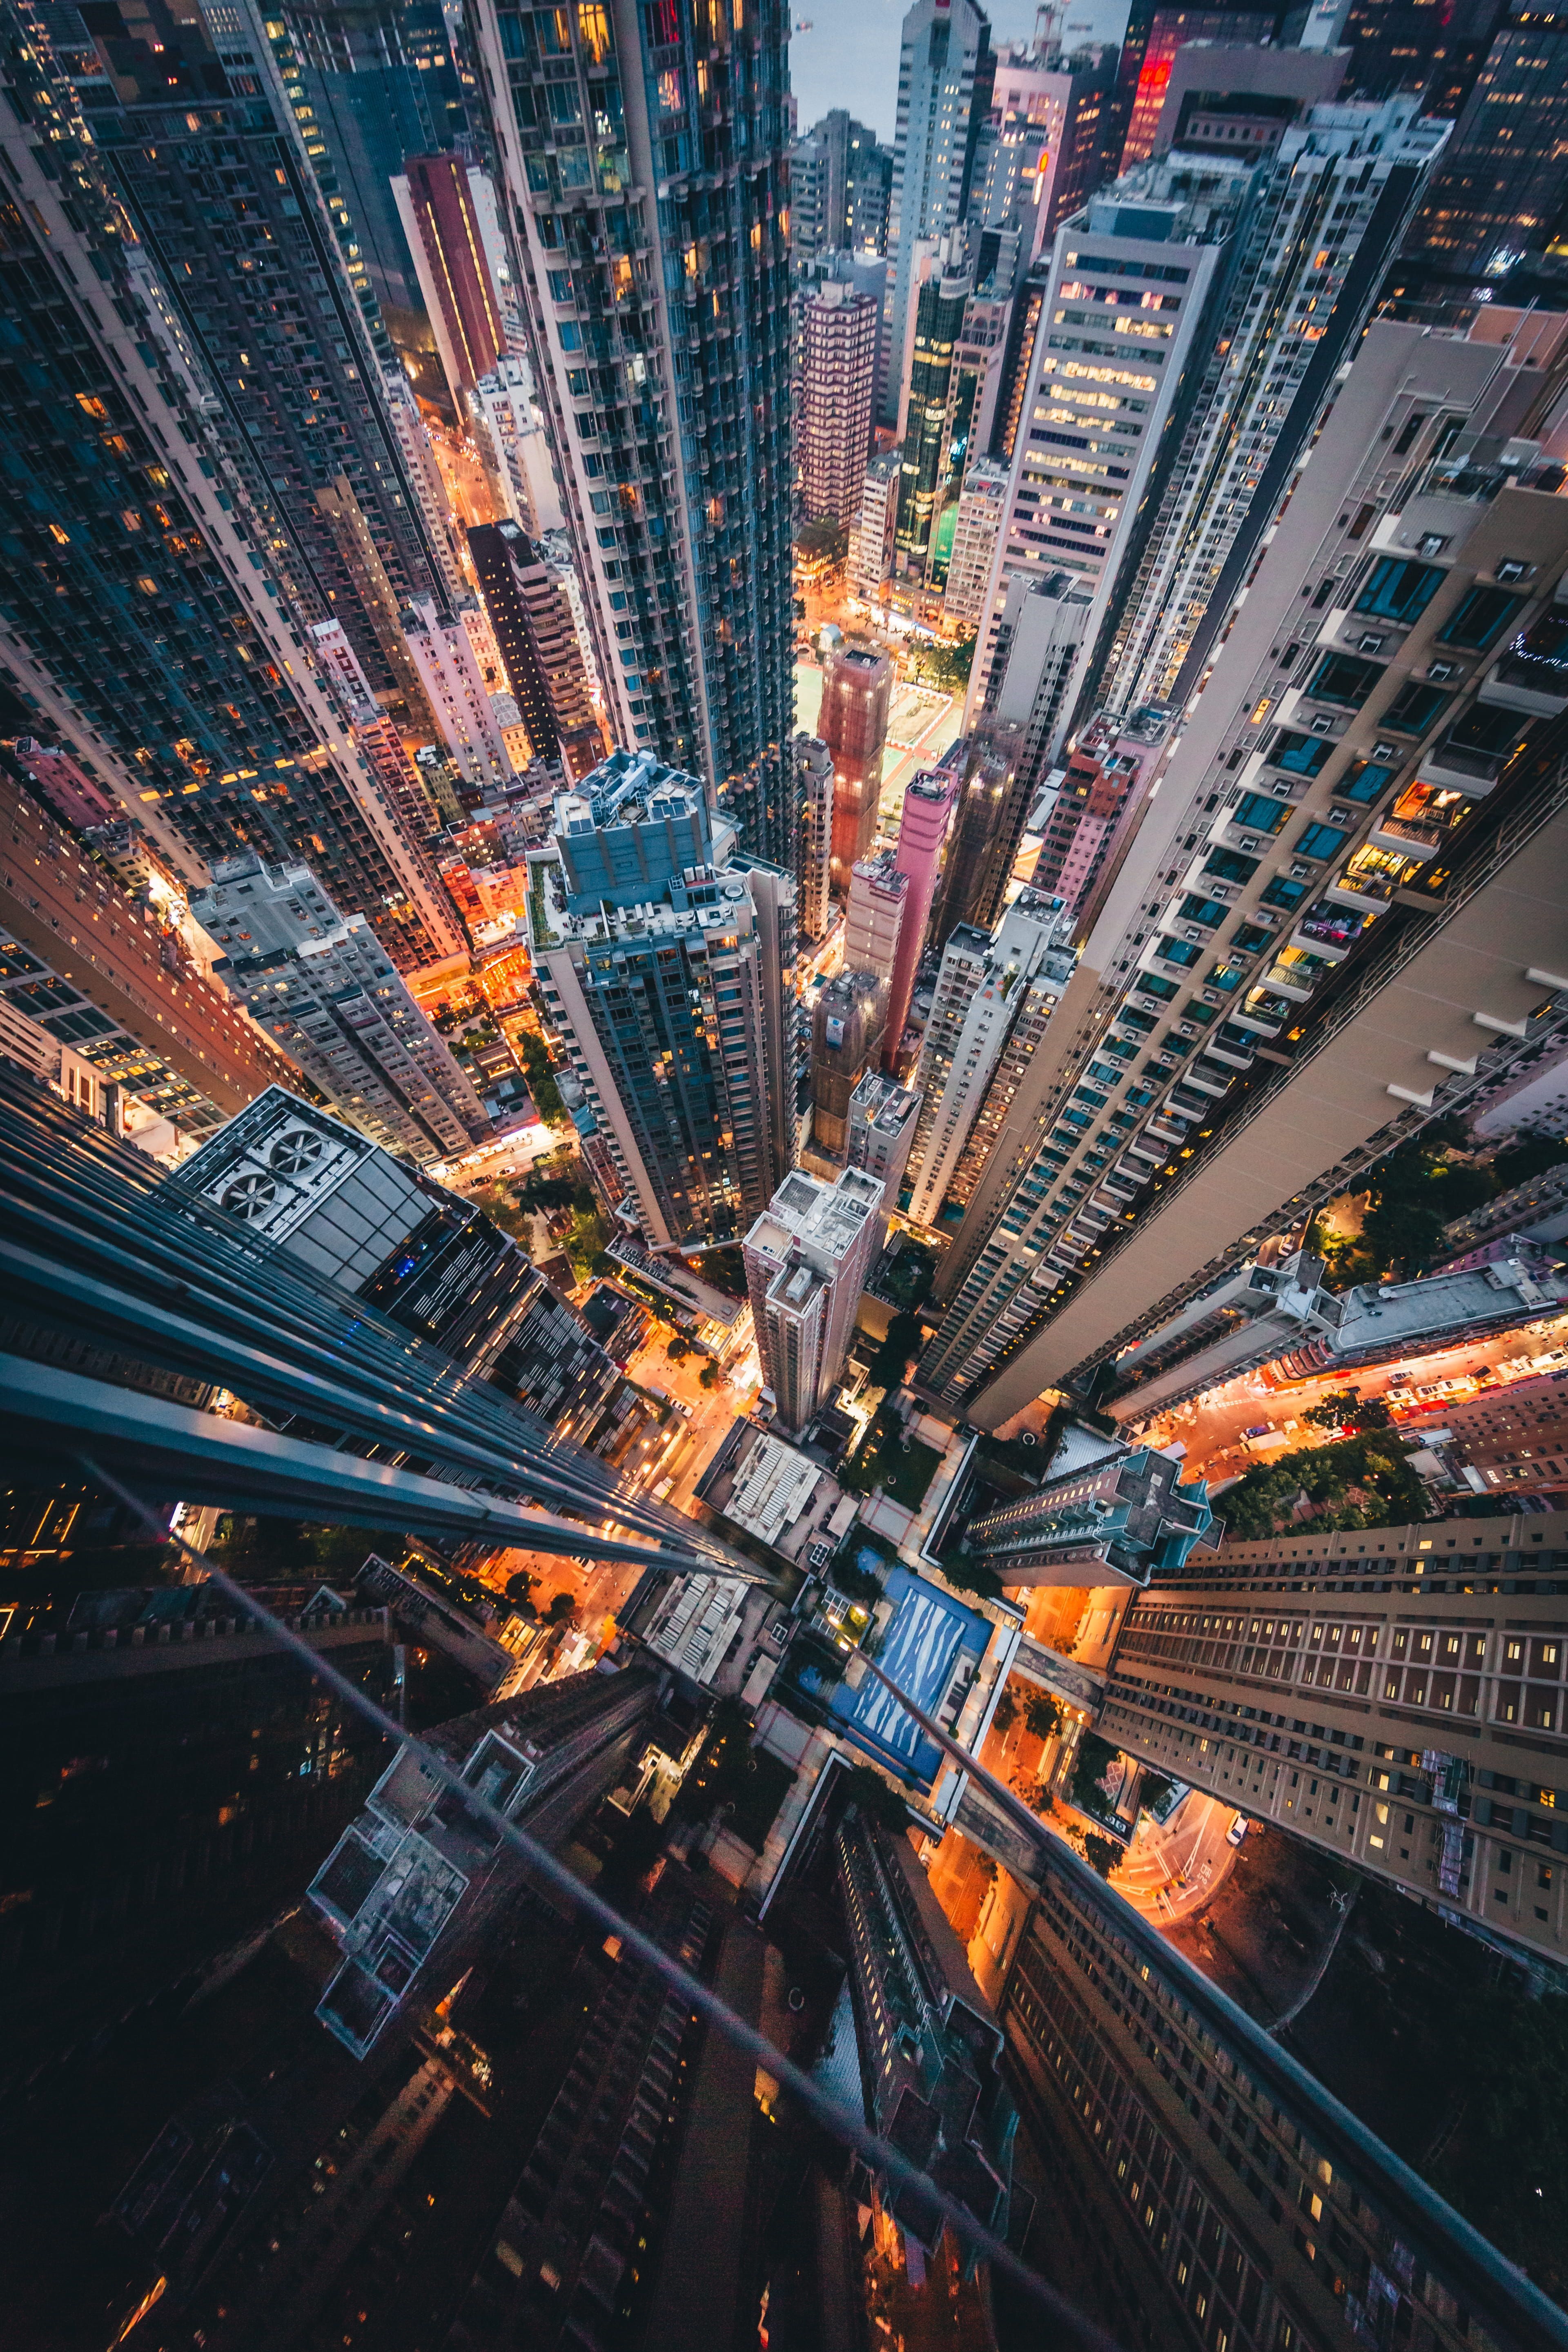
(1237, 1830)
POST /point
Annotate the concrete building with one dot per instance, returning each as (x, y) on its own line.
(875, 916)
(343, 1208)
(1292, 1677)
(457, 693)
(923, 828)
(415, 1885)
(1168, 32)
(660, 955)
(988, 988)
(1338, 767)
(1536, 1210)
(1098, 806)
(853, 723)
(814, 780)
(1040, 641)
(1511, 1441)
(882, 1117)
(928, 2044)
(840, 182)
(1249, 426)
(504, 403)
(1043, 152)
(849, 1021)
(840, 333)
(1115, 1516)
(675, 468)
(322, 985)
(940, 284)
(945, 69)
(1535, 1097)
(534, 630)
(807, 1258)
(871, 534)
(982, 503)
(441, 220)
(102, 977)
(1492, 206)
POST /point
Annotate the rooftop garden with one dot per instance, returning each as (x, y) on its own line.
(885, 1457)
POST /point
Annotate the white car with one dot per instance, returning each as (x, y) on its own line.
(1237, 1830)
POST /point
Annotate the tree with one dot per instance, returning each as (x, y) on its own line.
(677, 1348)
(1101, 1853)
(1042, 1715)
(1006, 1712)
(520, 1591)
(877, 1799)
(561, 1607)
(891, 1361)
(707, 1378)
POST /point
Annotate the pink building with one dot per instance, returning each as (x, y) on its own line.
(73, 796)
(929, 801)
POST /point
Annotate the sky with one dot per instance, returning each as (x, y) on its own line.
(850, 57)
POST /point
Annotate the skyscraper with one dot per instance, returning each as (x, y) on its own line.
(923, 828)
(534, 630)
(841, 330)
(807, 1258)
(1212, 1662)
(323, 986)
(1208, 1032)
(853, 723)
(871, 537)
(981, 505)
(1170, 29)
(881, 1131)
(813, 776)
(166, 655)
(451, 672)
(1494, 204)
(849, 1022)
(874, 916)
(840, 181)
(447, 238)
(659, 315)
(940, 287)
(660, 959)
(989, 990)
(1115, 1514)
(507, 413)
(945, 70)
(101, 978)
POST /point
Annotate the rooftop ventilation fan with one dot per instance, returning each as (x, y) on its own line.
(250, 1196)
(296, 1151)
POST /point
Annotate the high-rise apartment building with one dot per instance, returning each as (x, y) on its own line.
(1043, 152)
(923, 827)
(813, 782)
(660, 957)
(994, 995)
(452, 675)
(168, 658)
(981, 502)
(875, 916)
(350, 1213)
(849, 1022)
(945, 69)
(650, 192)
(534, 630)
(807, 1258)
(1169, 30)
(871, 536)
(1332, 205)
(96, 972)
(853, 723)
(417, 1885)
(881, 1131)
(1212, 1078)
(1145, 254)
(840, 182)
(321, 984)
(840, 332)
(447, 238)
(1114, 1515)
(1427, 1663)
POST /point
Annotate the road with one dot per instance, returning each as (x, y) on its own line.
(1211, 1426)
(510, 1155)
(1174, 1869)
(713, 1410)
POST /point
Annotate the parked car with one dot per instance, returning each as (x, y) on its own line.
(1237, 1830)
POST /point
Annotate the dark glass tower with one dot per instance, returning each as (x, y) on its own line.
(643, 150)
(148, 621)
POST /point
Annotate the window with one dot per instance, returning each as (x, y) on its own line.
(1481, 617)
(1318, 841)
(1485, 728)
(1207, 911)
(1364, 781)
(1259, 814)
(1304, 755)
(1344, 678)
(1229, 865)
(1176, 951)
(1249, 937)
(1149, 983)
(1282, 892)
(1415, 709)
(1399, 590)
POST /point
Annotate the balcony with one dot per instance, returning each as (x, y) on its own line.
(1531, 675)
(1205, 1082)
(1368, 894)
(1297, 981)
(1236, 1053)
(1453, 769)
(1407, 837)
(1266, 1015)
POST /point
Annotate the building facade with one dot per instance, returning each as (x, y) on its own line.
(650, 196)
(923, 827)
(853, 723)
(322, 986)
(849, 1022)
(535, 632)
(946, 67)
(813, 780)
(840, 334)
(881, 1131)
